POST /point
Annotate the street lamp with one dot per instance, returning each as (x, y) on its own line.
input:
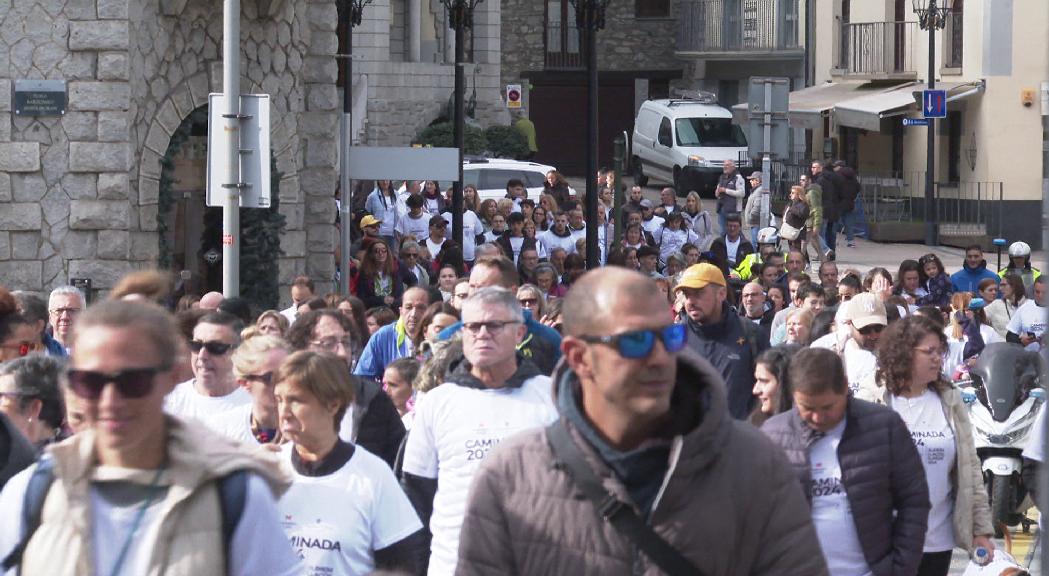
(352, 11)
(931, 17)
(589, 18)
(460, 16)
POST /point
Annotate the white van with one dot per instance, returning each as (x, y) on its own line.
(684, 142)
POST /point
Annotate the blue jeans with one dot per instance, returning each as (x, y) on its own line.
(829, 234)
(721, 222)
(855, 223)
(754, 236)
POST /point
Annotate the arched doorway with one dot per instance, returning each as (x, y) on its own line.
(190, 232)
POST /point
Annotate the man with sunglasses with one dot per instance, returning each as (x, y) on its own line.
(213, 389)
(491, 393)
(861, 321)
(718, 334)
(647, 421)
(138, 491)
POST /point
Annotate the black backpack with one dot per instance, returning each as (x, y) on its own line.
(233, 489)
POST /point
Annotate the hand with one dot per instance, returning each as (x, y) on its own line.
(986, 543)
(1026, 340)
(881, 287)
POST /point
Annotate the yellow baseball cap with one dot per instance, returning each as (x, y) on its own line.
(369, 220)
(700, 276)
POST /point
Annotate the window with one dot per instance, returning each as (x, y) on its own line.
(953, 36)
(652, 8)
(712, 132)
(562, 36)
(664, 133)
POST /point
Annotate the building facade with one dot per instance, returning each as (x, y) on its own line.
(116, 182)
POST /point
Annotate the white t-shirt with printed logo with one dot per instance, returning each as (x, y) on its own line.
(455, 427)
(831, 512)
(336, 522)
(1028, 318)
(471, 228)
(934, 439)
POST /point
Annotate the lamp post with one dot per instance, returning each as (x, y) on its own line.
(931, 17)
(589, 18)
(460, 16)
(352, 11)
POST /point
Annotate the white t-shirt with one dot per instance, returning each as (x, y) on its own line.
(859, 364)
(337, 522)
(234, 424)
(471, 228)
(732, 248)
(831, 512)
(1028, 318)
(185, 402)
(291, 313)
(454, 429)
(258, 546)
(418, 227)
(550, 240)
(433, 248)
(653, 225)
(515, 246)
(934, 439)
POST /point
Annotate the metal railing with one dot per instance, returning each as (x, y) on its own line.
(953, 41)
(970, 209)
(877, 48)
(564, 51)
(712, 26)
(892, 196)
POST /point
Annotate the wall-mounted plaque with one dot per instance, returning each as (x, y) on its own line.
(40, 97)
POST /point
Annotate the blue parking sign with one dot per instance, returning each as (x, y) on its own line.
(934, 103)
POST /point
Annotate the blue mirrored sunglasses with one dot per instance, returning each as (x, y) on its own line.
(639, 344)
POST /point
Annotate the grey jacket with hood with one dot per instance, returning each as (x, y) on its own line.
(727, 498)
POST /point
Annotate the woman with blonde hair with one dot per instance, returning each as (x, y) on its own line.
(796, 216)
(255, 362)
(910, 381)
(487, 212)
(273, 323)
(799, 325)
(698, 220)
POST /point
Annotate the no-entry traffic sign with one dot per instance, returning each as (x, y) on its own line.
(513, 95)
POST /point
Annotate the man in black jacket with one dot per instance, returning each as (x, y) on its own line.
(850, 195)
(858, 466)
(831, 183)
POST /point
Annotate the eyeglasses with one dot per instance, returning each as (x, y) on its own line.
(872, 329)
(494, 327)
(528, 301)
(640, 343)
(331, 344)
(409, 255)
(933, 352)
(69, 311)
(266, 378)
(214, 348)
(131, 383)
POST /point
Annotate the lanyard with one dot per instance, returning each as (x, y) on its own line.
(138, 520)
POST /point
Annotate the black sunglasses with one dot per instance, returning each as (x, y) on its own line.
(213, 348)
(871, 329)
(131, 383)
(266, 378)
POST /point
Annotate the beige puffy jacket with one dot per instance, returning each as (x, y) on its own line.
(190, 541)
(972, 513)
(729, 502)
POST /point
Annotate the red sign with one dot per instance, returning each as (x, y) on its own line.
(227, 239)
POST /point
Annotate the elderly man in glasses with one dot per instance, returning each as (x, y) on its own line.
(139, 492)
(491, 393)
(644, 440)
(213, 388)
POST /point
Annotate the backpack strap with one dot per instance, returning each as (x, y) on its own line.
(619, 514)
(233, 496)
(32, 509)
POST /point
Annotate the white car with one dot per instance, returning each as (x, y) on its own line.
(684, 142)
(490, 175)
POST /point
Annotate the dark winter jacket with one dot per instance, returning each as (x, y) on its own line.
(797, 214)
(16, 453)
(939, 291)
(850, 189)
(719, 248)
(377, 425)
(831, 183)
(968, 279)
(883, 478)
(731, 346)
(364, 288)
(726, 499)
(504, 243)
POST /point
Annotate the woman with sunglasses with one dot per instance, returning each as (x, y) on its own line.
(344, 513)
(255, 362)
(532, 299)
(910, 381)
(380, 279)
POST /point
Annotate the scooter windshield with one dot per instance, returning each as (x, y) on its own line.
(1007, 372)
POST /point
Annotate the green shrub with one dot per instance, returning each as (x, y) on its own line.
(506, 142)
(440, 135)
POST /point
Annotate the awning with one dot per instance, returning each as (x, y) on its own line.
(866, 111)
(807, 106)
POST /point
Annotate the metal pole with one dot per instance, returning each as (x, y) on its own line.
(622, 144)
(766, 159)
(458, 14)
(346, 135)
(593, 258)
(930, 161)
(231, 128)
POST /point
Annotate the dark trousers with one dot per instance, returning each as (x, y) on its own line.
(829, 234)
(935, 564)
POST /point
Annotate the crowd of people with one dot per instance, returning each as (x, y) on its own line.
(703, 403)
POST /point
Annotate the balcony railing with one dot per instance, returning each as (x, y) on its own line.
(877, 49)
(726, 26)
(564, 51)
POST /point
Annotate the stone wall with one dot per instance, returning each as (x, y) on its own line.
(626, 43)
